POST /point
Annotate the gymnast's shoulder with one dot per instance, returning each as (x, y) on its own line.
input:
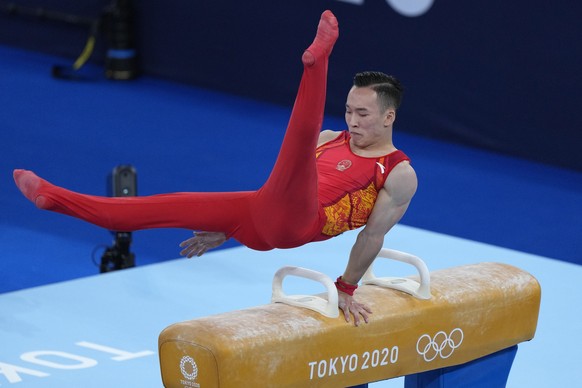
(327, 135)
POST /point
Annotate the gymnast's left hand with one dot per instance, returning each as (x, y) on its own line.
(351, 307)
(201, 242)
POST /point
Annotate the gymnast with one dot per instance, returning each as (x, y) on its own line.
(323, 183)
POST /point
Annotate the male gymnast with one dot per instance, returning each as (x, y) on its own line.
(323, 183)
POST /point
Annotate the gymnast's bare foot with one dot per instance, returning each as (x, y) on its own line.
(327, 34)
(30, 185)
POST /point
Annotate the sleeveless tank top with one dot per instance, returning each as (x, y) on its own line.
(349, 184)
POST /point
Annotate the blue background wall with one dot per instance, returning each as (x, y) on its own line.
(495, 74)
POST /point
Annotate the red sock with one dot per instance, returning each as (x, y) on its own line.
(327, 34)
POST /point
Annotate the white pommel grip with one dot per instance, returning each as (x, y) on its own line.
(328, 308)
(419, 290)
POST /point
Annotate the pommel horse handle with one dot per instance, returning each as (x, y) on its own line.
(328, 308)
(419, 290)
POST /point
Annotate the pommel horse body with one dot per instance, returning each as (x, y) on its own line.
(465, 314)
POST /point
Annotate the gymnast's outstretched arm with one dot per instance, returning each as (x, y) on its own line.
(393, 200)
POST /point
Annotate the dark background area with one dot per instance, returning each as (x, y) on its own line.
(503, 76)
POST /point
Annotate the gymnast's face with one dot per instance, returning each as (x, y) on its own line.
(369, 126)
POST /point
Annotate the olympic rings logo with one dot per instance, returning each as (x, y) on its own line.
(442, 344)
(189, 361)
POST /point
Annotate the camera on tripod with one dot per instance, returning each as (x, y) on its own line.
(118, 256)
(122, 183)
(119, 26)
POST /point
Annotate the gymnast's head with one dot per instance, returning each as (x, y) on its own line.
(371, 107)
(388, 88)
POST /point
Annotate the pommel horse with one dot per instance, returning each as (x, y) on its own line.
(421, 325)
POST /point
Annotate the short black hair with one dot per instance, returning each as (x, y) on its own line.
(388, 88)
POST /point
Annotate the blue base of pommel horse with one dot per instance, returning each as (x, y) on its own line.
(456, 327)
(490, 371)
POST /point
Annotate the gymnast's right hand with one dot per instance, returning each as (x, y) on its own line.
(201, 242)
(350, 306)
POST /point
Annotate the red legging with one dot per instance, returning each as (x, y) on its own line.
(284, 213)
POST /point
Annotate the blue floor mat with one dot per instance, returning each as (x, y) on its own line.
(182, 138)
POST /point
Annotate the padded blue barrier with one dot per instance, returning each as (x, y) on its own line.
(490, 371)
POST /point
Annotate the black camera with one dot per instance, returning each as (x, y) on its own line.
(121, 183)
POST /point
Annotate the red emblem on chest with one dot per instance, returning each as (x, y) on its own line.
(344, 165)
